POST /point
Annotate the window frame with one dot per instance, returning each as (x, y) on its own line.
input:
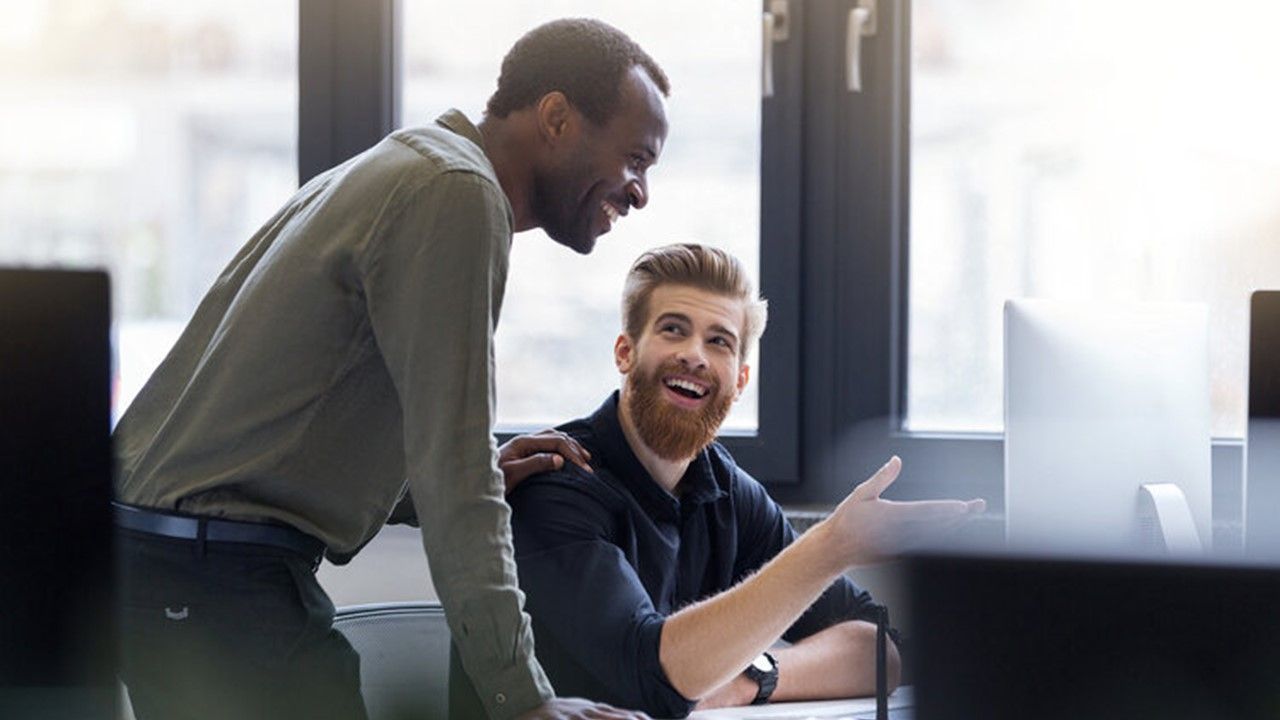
(348, 85)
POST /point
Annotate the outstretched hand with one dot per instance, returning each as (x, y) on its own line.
(543, 451)
(866, 528)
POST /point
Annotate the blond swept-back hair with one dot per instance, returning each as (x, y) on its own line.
(696, 266)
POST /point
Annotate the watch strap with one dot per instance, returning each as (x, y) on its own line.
(766, 680)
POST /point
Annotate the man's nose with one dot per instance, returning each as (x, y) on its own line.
(691, 355)
(638, 193)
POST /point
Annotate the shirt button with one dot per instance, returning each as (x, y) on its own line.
(500, 698)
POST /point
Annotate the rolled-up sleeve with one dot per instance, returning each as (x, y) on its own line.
(587, 598)
(434, 279)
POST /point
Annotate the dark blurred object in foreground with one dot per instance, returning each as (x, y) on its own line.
(1023, 638)
(57, 618)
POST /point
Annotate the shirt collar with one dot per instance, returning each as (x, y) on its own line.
(455, 121)
(699, 484)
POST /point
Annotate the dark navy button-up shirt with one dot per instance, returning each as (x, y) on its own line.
(604, 558)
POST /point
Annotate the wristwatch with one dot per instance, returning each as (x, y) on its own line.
(764, 671)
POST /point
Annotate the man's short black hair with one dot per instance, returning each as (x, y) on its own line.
(583, 58)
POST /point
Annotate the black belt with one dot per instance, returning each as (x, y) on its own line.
(191, 527)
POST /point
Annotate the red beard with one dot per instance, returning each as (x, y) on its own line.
(673, 433)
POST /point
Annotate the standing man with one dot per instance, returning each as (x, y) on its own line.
(344, 357)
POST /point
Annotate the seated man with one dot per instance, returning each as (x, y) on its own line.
(655, 579)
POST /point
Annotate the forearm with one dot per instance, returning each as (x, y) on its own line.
(706, 644)
(838, 662)
(479, 591)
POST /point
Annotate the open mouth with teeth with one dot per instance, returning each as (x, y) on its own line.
(686, 392)
(611, 214)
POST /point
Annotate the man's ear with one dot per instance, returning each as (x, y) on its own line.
(744, 375)
(555, 117)
(624, 354)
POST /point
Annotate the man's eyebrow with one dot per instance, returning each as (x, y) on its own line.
(724, 331)
(681, 317)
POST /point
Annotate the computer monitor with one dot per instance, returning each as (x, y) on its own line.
(1262, 446)
(57, 619)
(1059, 639)
(1107, 428)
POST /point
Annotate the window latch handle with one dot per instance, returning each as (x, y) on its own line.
(774, 29)
(862, 21)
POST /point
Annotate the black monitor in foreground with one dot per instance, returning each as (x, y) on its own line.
(1022, 638)
(1262, 446)
(57, 640)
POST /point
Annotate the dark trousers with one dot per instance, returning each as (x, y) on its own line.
(225, 630)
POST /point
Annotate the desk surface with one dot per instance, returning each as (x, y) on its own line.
(901, 698)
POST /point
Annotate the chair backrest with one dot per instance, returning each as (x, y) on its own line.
(404, 658)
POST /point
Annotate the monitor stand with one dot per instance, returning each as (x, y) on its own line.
(1165, 525)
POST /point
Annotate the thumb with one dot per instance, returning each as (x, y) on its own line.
(872, 487)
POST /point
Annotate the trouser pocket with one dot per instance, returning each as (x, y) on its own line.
(232, 633)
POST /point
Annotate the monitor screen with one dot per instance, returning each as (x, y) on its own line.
(56, 602)
(1262, 446)
(1106, 404)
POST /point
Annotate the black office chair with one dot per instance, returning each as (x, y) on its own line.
(404, 658)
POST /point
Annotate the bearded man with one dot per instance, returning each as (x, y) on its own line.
(654, 579)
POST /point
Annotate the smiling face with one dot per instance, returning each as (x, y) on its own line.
(597, 173)
(684, 371)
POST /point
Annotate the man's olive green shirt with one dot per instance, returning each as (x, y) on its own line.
(346, 352)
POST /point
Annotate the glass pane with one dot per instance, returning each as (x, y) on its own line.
(148, 137)
(561, 314)
(1124, 151)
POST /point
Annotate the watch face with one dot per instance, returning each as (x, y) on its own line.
(762, 664)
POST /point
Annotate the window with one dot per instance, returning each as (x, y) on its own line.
(561, 311)
(1124, 152)
(147, 137)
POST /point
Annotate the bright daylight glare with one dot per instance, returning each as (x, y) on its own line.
(1125, 151)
